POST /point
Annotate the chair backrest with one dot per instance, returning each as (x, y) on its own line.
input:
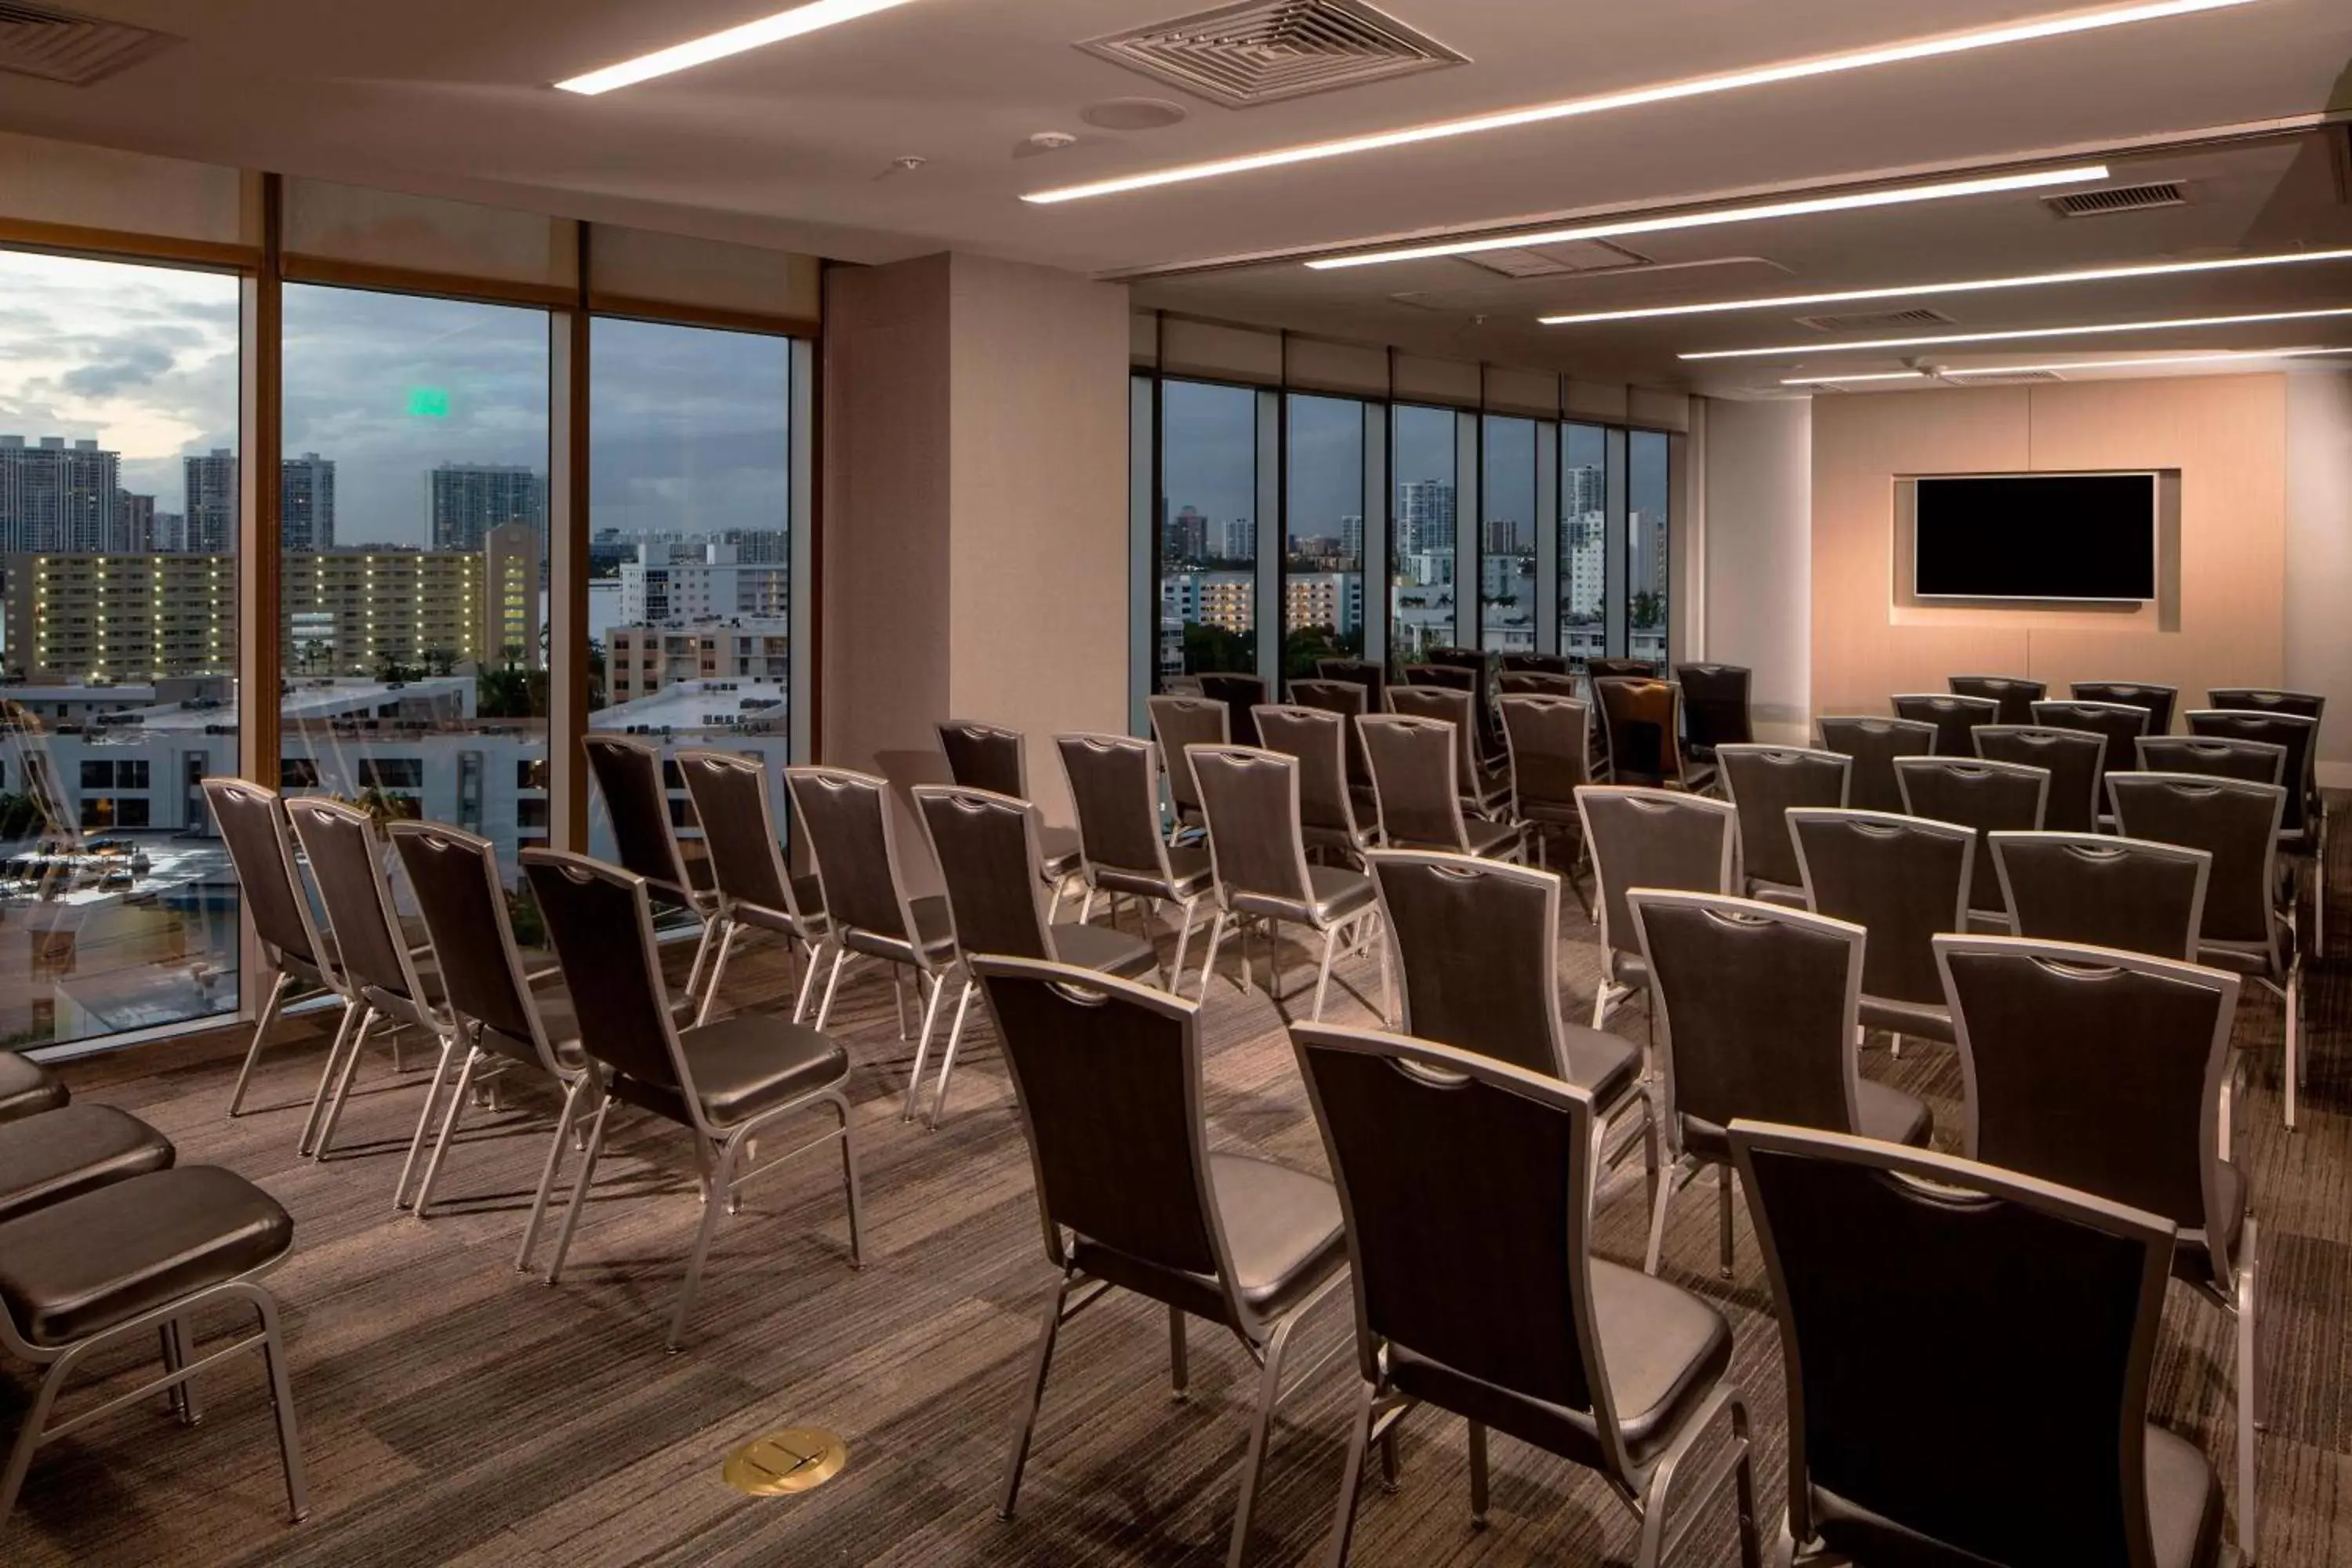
(2100, 889)
(1873, 744)
(846, 816)
(1452, 677)
(1953, 716)
(2120, 724)
(986, 847)
(1477, 947)
(1757, 1009)
(346, 857)
(1621, 669)
(1714, 704)
(1465, 1186)
(2096, 1070)
(253, 828)
(1373, 677)
(1535, 683)
(1181, 722)
(1239, 693)
(1550, 741)
(628, 775)
(985, 756)
(1653, 839)
(1991, 797)
(730, 792)
(2015, 694)
(1346, 699)
(1416, 779)
(1107, 1077)
(463, 903)
(1642, 717)
(1938, 1385)
(1255, 842)
(1536, 664)
(2298, 733)
(1316, 740)
(1763, 783)
(1902, 879)
(1115, 790)
(2159, 701)
(600, 922)
(2267, 699)
(1451, 704)
(2070, 757)
(2232, 820)
(2221, 757)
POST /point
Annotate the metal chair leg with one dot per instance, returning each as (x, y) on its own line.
(1323, 976)
(898, 996)
(833, 983)
(2293, 1038)
(1659, 1202)
(923, 1046)
(1477, 1475)
(808, 981)
(722, 1184)
(1269, 1393)
(1723, 1178)
(1025, 1424)
(352, 1012)
(475, 1057)
(564, 1125)
(947, 1060)
(281, 1401)
(351, 1055)
(174, 1337)
(1179, 1371)
(28, 1436)
(717, 971)
(579, 1189)
(1183, 941)
(849, 1181)
(2249, 1402)
(1351, 1480)
(269, 1011)
(1209, 964)
(424, 1116)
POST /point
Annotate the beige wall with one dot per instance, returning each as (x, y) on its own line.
(2319, 555)
(2226, 435)
(1757, 561)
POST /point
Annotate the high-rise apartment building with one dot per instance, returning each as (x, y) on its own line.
(1351, 539)
(663, 587)
(1186, 536)
(210, 528)
(469, 500)
(1240, 538)
(306, 504)
(510, 563)
(56, 495)
(1425, 517)
(134, 524)
(95, 617)
(640, 660)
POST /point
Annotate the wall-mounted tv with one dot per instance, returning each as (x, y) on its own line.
(2079, 536)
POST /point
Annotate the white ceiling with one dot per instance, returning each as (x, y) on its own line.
(791, 144)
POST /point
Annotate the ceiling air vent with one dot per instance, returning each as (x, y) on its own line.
(2004, 377)
(62, 45)
(2118, 199)
(1877, 320)
(1557, 261)
(1262, 51)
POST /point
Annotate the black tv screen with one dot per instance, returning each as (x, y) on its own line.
(2035, 536)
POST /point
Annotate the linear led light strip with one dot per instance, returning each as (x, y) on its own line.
(2056, 365)
(700, 51)
(2017, 333)
(1899, 196)
(1663, 92)
(1967, 285)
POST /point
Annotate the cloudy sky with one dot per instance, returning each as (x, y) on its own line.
(688, 426)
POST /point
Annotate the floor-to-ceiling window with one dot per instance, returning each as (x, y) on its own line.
(1209, 554)
(1583, 541)
(118, 430)
(1649, 496)
(1422, 554)
(1323, 581)
(1506, 536)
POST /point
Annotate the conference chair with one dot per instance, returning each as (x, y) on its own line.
(1178, 722)
(628, 774)
(1114, 785)
(2159, 701)
(1991, 797)
(1369, 674)
(1318, 740)
(1107, 1077)
(726, 1084)
(1346, 699)
(1473, 670)
(505, 1018)
(1240, 694)
(1643, 721)
(756, 890)
(2120, 724)
(1598, 669)
(1550, 740)
(1904, 880)
(2218, 756)
(1762, 783)
(1536, 664)
(2101, 890)
(1258, 855)
(2303, 827)
(987, 848)
(2015, 695)
(2249, 921)
(1761, 1007)
(292, 947)
(1715, 708)
(990, 757)
(1639, 837)
(1485, 790)
(1465, 1185)
(1954, 717)
(1416, 769)
(2309, 705)
(847, 819)
(1537, 683)
(1873, 744)
(2106, 1071)
(2071, 758)
(29, 1089)
(1945, 1404)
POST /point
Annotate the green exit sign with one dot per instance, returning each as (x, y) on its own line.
(429, 403)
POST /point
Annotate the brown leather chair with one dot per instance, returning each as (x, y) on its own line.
(1178, 722)
(1318, 740)
(1550, 741)
(1763, 783)
(628, 775)
(1373, 677)
(1644, 718)
(1486, 790)
(993, 758)
(2102, 889)
(1346, 699)
(2071, 758)
(1620, 669)
(756, 889)
(1416, 771)
(1715, 707)
(1874, 743)
(1991, 797)
(27, 1089)
(1640, 838)
(2281, 720)
(254, 829)
(1240, 694)
(1115, 784)
(2120, 724)
(1954, 717)
(1905, 880)
(2159, 701)
(2015, 695)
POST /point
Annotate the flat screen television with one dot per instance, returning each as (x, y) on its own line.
(2079, 536)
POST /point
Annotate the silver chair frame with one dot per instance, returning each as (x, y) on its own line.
(812, 930)
(1611, 992)
(286, 968)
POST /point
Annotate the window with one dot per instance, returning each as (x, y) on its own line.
(531, 814)
(413, 532)
(1422, 557)
(1648, 510)
(118, 407)
(298, 773)
(1323, 558)
(1507, 536)
(1584, 542)
(1208, 528)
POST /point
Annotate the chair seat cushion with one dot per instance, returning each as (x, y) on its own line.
(742, 1066)
(1189, 876)
(1339, 894)
(27, 1087)
(1928, 1021)
(1103, 950)
(1282, 1227)
(73, 1150)
(1600, 1063)
(1492, 840)
(1664, 1349)
(1891, 1116)
(93, 1262)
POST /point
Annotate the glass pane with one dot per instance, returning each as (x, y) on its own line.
(1583, 541)
(1323, 586)
(689, 591)
(1421, 583)
(413, 527)
(1208, 528)
(1646, 535)
(1506, 561)
(118, 628)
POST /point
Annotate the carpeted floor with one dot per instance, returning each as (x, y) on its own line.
(456, 1411)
